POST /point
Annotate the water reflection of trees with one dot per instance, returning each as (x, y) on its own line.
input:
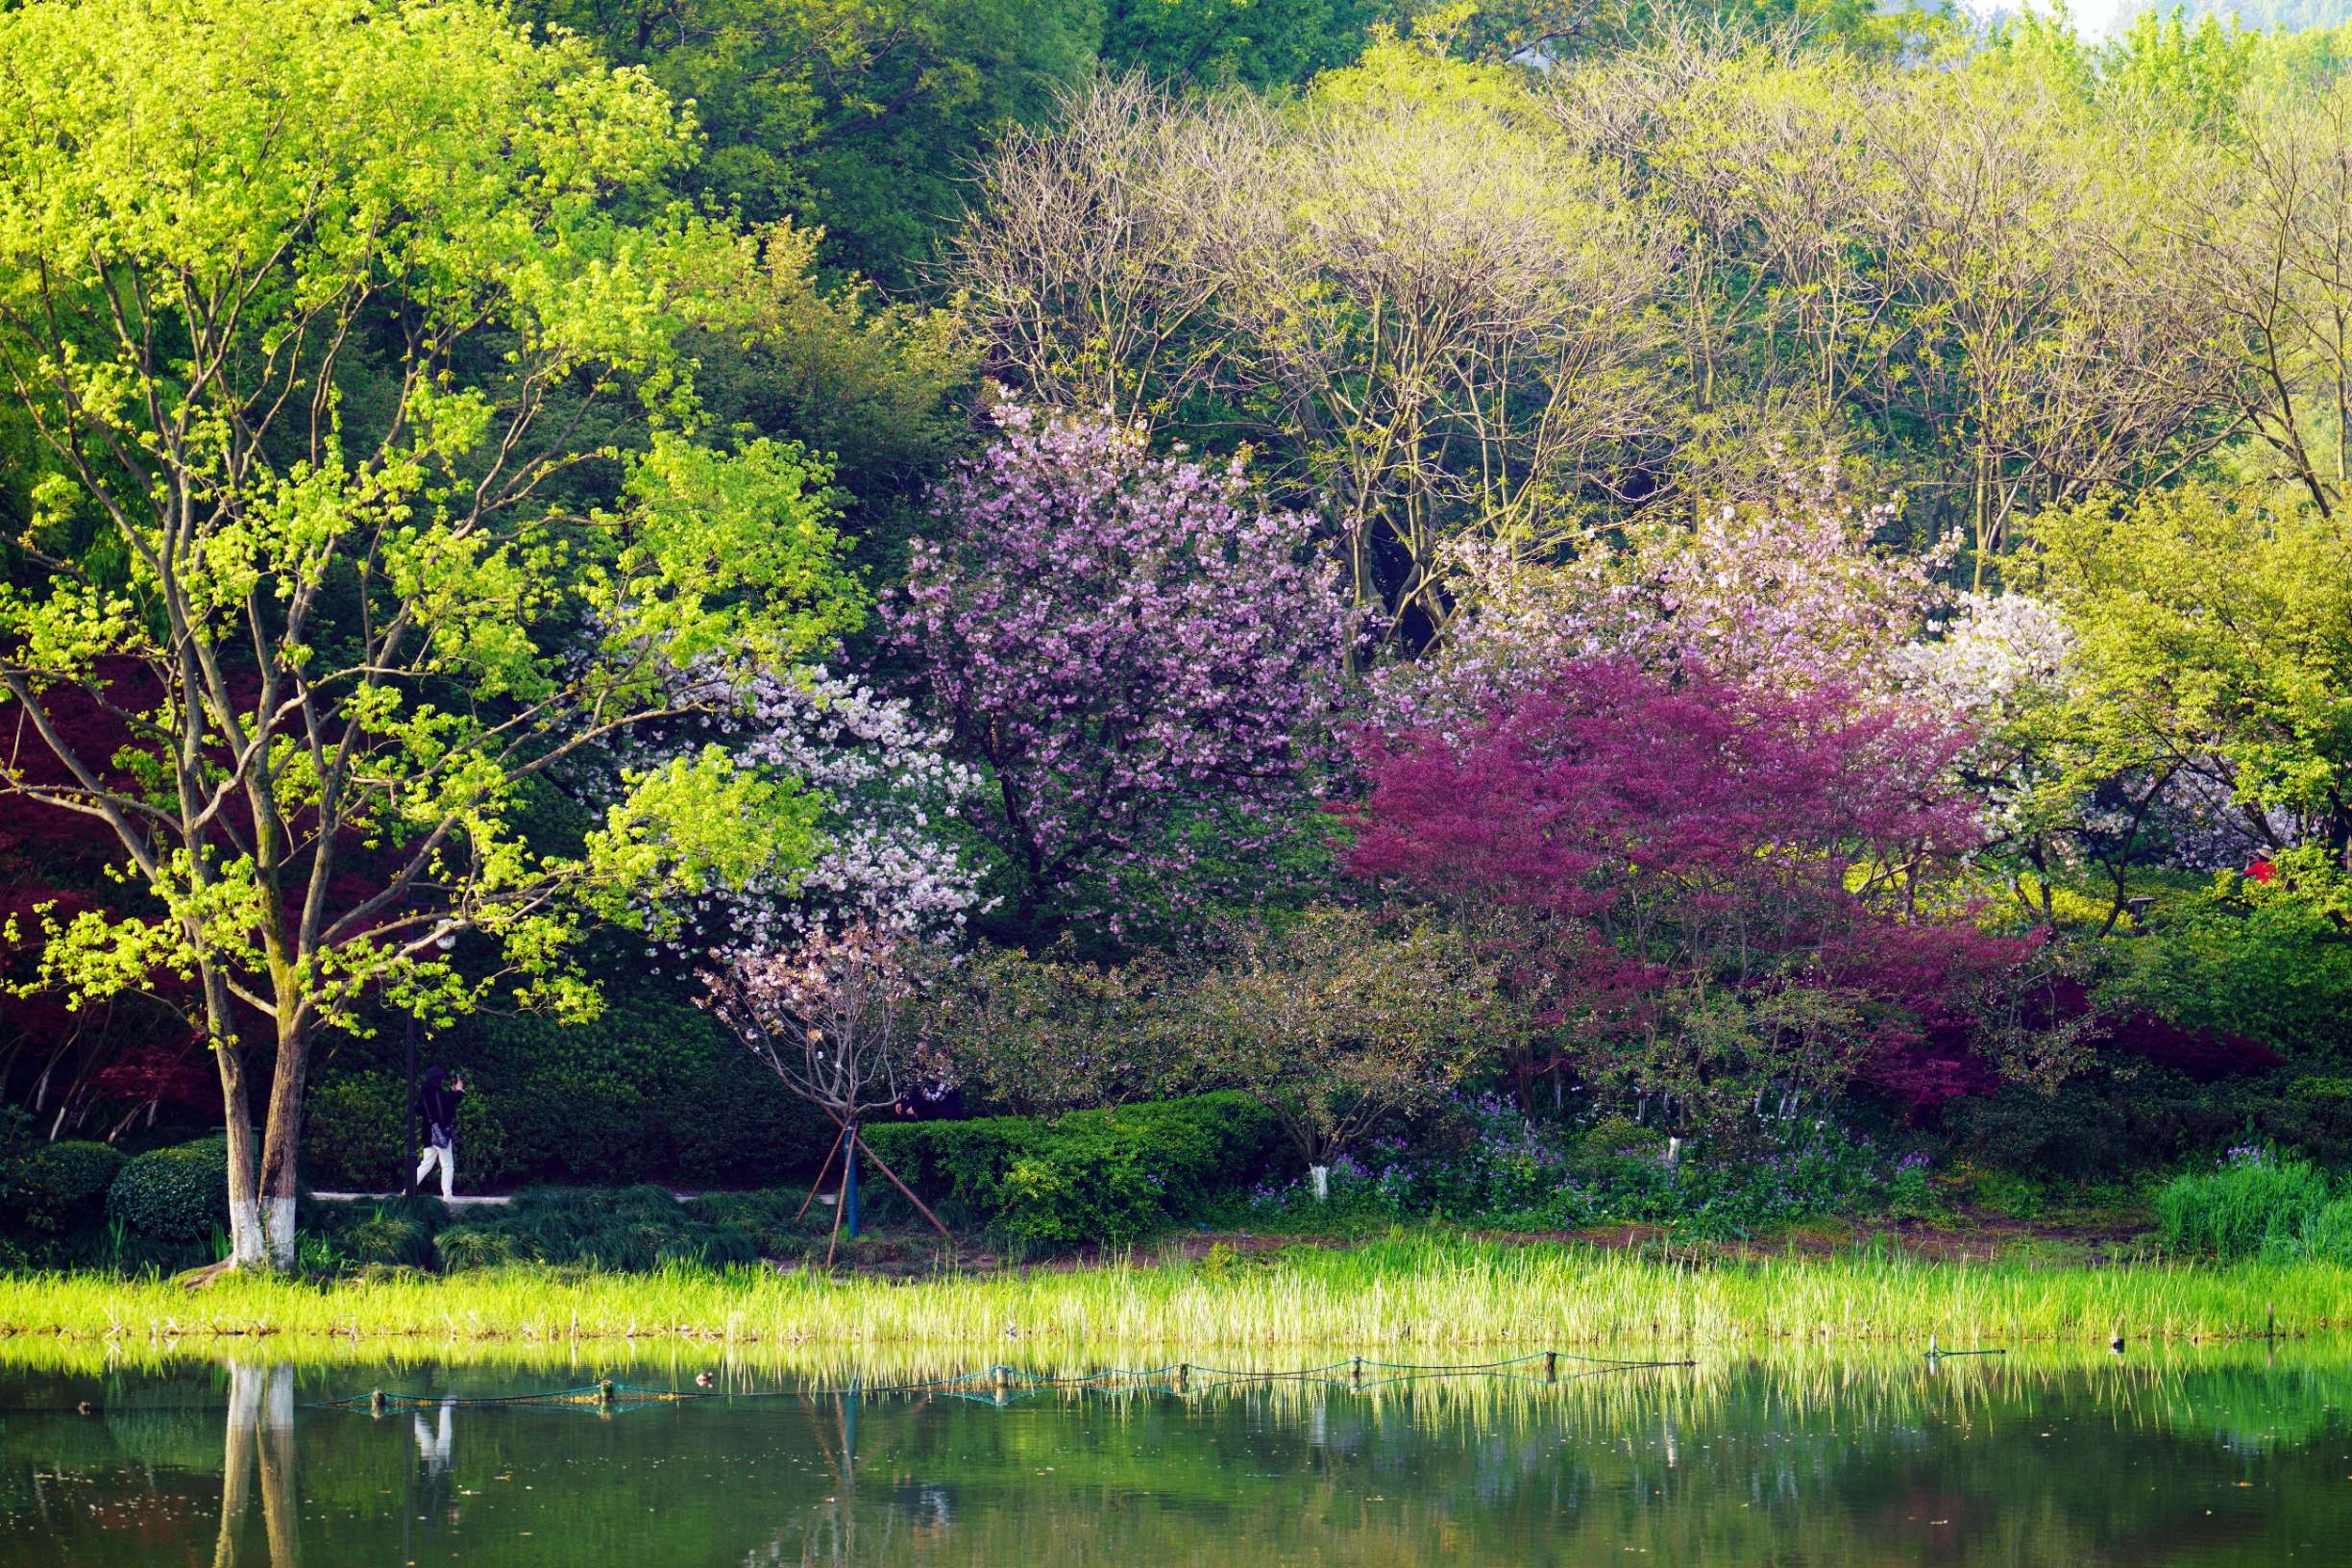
(1735, 1463)
(261, 1439)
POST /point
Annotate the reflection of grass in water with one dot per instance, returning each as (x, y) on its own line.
(1829, 1445)
(1417, 1294)
(2243, 1392)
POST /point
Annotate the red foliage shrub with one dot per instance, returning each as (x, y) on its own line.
(1657, 847)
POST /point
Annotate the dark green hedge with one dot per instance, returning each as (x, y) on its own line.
(57, 1188)
(2101, 1126)
(1115, 1175)
(650, 1089)
(630, 1227)
(175, 1195)
(636, 1228)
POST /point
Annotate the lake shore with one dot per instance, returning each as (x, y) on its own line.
(1416, 1292)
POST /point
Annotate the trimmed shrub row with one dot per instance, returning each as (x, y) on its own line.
(634, 1228)
(175, 1195)
(58, 1187)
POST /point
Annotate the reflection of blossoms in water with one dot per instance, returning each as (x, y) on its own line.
(891, 791)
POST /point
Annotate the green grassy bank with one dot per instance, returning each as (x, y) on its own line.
(1414, 1292)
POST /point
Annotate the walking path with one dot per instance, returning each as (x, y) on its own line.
(460, 1202)
(463, 1200)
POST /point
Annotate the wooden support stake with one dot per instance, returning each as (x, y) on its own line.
(817, 1183)
(841, 1201)
(1550, 1366)
(866, 1149)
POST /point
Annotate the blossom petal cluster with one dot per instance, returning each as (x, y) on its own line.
(1791, 591)
(891, 788)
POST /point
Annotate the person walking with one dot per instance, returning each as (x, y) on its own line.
(437, 1100)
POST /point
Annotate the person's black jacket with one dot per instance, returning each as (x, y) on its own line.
(438, 1102)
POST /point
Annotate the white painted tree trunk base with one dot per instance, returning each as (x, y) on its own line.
(261, 1233)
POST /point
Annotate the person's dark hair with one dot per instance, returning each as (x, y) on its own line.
(432, 1079)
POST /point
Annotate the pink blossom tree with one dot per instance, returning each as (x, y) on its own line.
(887, 848)
(1125, 643)
(1792, 590)
(835, 1017)
(1698, 881)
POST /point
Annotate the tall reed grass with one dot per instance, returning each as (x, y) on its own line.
(2257, 1204)
(1411, 1292)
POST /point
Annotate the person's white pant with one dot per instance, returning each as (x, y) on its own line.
(448, 1156)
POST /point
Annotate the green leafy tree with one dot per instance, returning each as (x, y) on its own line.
(348, 331)
(1488, 379)
(1258, 43)
(1041, 1035)
(1961, 273)
(2213, 630)
(862, 113)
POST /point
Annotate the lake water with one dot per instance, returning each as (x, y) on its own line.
(2166, 1457)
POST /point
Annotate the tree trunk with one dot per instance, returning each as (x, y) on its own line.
(247, 1248)
(281, 1140)
(281, 1502)
(237, 1463)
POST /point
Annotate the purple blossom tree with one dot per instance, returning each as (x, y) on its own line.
(1123, 641)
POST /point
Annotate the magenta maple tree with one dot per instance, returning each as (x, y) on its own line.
(1661, 853)
(1123, 639)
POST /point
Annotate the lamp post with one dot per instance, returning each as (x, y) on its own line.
(408, 1176)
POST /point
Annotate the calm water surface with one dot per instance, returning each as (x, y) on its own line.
(2226, 1458)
